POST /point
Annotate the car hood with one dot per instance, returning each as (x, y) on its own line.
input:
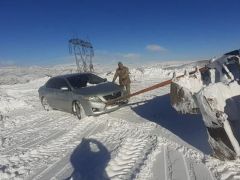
(98, 89)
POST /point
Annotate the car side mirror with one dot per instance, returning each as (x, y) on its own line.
(64, 88)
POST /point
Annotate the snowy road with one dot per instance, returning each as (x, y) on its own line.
(45, 149)
(145, 140)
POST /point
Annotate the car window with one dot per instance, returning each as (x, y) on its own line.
(94, 79)
(56, 83)
(50, 83)
(80, 81)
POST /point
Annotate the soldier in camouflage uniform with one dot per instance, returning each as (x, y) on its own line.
(122, 73)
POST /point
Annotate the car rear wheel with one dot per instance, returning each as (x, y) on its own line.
(45, 104)
(78, 110)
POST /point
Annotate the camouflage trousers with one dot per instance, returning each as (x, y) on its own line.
(127, 88)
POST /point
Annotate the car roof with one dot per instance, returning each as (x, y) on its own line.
(71, 75)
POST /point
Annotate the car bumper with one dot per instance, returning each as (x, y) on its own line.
(98, 108)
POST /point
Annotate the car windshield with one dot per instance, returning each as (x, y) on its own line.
(82, 80)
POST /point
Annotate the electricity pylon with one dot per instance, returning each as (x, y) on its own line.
(83, 52)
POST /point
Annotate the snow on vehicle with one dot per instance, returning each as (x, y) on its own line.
(215, 93)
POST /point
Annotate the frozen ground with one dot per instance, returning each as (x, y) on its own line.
(147, 139)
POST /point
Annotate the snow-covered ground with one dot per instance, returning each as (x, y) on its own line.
(147, 139)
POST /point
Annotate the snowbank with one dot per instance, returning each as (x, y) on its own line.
(9, 103)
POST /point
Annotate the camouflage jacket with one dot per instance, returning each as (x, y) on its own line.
(123, 75)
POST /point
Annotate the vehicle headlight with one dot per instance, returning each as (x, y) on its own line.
(94, 98)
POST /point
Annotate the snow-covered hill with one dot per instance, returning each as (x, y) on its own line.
(147, 139)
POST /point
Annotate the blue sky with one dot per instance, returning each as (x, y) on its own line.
(37, 31)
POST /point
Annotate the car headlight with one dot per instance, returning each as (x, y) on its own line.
(94, 98)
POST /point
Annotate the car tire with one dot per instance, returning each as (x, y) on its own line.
(45, 104)
(78, 110)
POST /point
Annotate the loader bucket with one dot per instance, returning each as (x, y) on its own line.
(182, 93)
(219, 104)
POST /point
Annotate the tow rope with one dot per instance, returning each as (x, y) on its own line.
(158, 85)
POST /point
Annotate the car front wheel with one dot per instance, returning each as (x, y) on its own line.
(78, 110)
(45, 104)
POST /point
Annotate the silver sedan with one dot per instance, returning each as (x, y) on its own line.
(83, 94)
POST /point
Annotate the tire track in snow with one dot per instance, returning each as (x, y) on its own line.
(198, 171)
(38, 120)
(11, 139)
(31, 160)
(161, 171)
(130, 157)
(170, 160)
(187, 170)
(224, 170)
(42, 140)
(109, 135)
(69, 142)
(31, 142)
(27, 125)
(36, 134)
(114, 138)
(116, 133)
(129, 144)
